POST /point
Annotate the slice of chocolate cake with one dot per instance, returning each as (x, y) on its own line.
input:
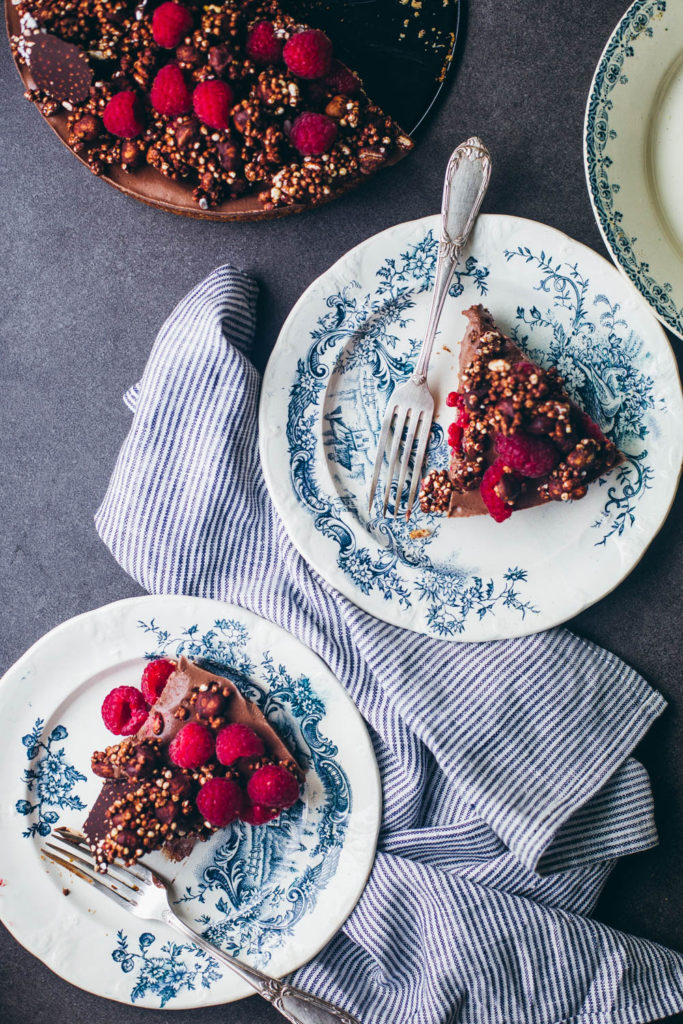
(201, 757)
(518, 439)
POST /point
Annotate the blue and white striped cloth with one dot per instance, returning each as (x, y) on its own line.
(508, 784)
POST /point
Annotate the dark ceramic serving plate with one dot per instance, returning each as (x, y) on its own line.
(402, 49)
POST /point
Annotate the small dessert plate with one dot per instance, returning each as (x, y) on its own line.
(271, 896)
(353, 337)
(633, 151)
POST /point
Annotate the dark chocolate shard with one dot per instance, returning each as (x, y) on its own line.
(60, 69)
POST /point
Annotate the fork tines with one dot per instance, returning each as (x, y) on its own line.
(408, 419)
(70, 850)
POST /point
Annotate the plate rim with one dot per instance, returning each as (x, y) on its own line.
(630, 273)
(342, 584)
(376, 780)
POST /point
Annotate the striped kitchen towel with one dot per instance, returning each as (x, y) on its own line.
(509, 788)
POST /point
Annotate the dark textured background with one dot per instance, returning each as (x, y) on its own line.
(88, 278)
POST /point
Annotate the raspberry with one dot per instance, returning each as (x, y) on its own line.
(169, 93)
(313, 134)
(170, 24)
(220, 801)
(212, 101)
(341, 80)
(453, 399)
(235, 741)
(123, 115)
(455, 433)
(531, 456)
(124, 710)
(499, 509)
(273, 786)
(257, 814)
(308, 54)
(192, 747)
(263, 46)
(155, 677)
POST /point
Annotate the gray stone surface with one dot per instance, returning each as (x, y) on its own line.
(88, 277)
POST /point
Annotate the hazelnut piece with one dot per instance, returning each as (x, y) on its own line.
(87, 129)
(210, 705)
(219, 58)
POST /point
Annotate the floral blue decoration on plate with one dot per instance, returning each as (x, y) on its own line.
(272, 895)
(50, 780)
(353, 337)
(633, 150)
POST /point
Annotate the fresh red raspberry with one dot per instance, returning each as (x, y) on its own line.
(212, 101)
(341, 80)
(308, 54)
(263, 46)
(499, 509)
(220, 801)
(530, 456)
(155, 677)
(456, 401)
(169, 93)
(273, 786)
(313, 134)
(124, 710)
(237, 740)
(123, 115)
(192, 746)
(171, 22)
(455, 433)
(257, 814)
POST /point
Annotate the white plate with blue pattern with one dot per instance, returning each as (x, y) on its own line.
(633, 151)
(273, 896)
(353, 336)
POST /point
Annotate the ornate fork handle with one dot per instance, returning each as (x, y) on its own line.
(467, 178)
(297, 1006)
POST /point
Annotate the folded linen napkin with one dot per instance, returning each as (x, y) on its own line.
(508, 786)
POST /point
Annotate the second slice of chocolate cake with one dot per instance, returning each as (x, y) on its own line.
(148, 802)
(518, 439)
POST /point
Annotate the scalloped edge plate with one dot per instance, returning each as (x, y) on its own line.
(632, 147)
(54, 692)
(352, 337)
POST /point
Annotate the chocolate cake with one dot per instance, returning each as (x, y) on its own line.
(153, 780)
(231, 99)
(518, 439)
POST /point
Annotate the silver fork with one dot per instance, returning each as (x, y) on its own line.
(143, 893)
(411, 406)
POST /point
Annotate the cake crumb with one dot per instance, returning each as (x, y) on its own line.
(419, 534)
(65, 892)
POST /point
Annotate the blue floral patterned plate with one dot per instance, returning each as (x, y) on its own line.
(633, 149)
(353, 336)
(272, 896)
